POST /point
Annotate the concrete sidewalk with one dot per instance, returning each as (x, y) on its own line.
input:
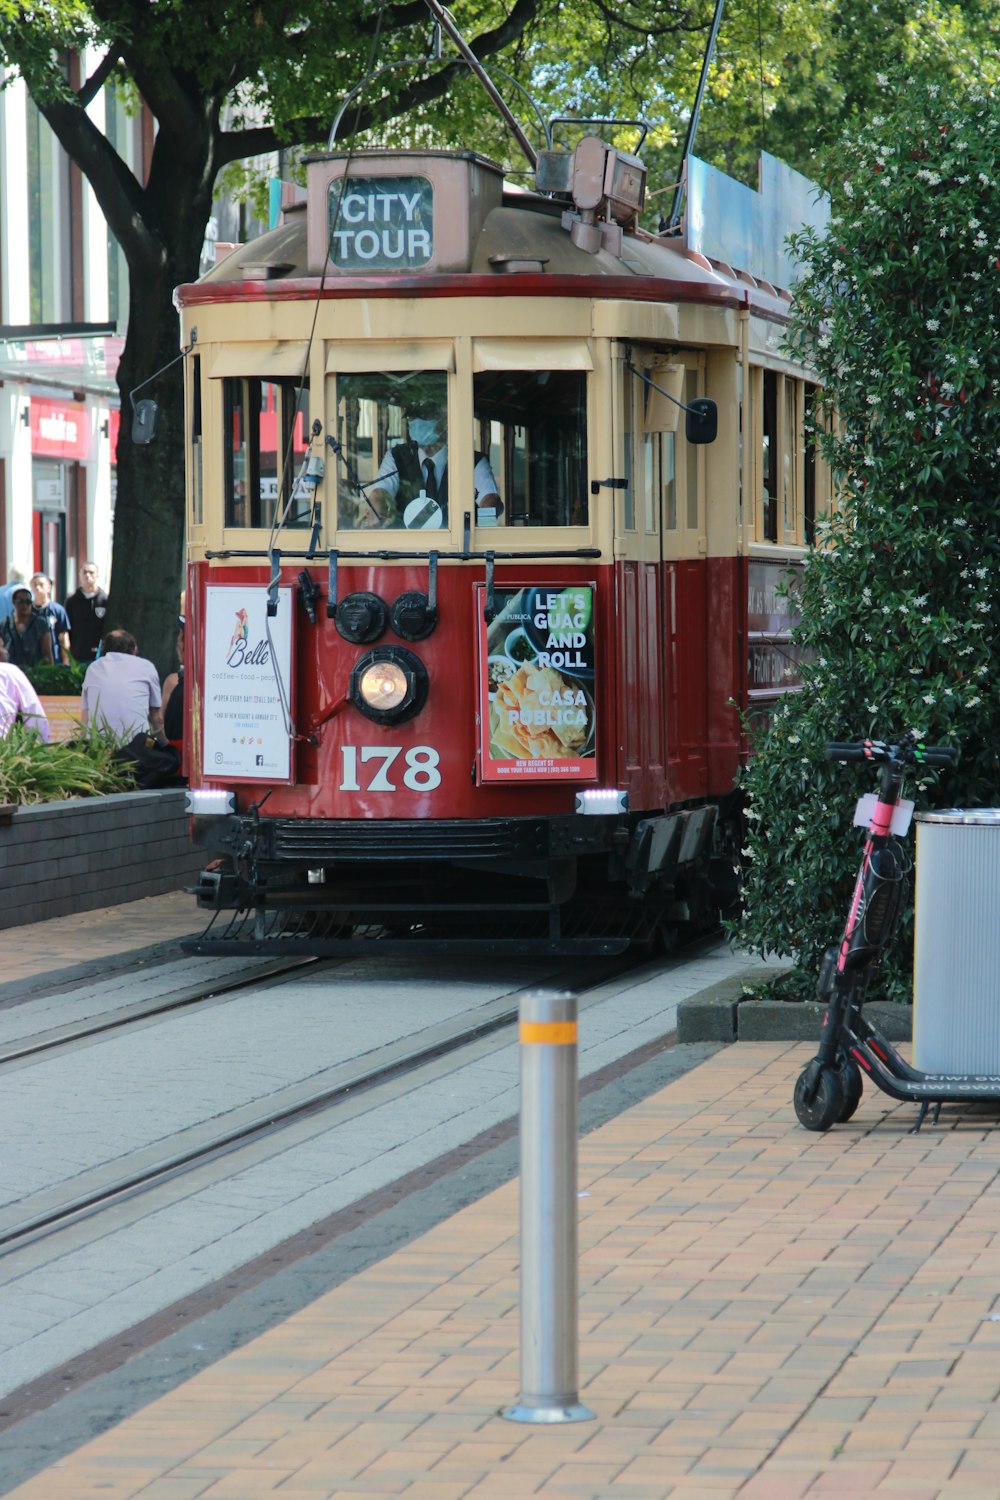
(764, 1313)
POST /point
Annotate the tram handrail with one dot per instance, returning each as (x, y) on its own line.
(384, 555)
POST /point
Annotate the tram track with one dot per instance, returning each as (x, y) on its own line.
(144, 1010)
(199, 1145)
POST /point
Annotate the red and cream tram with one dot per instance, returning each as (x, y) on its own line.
(474, 604)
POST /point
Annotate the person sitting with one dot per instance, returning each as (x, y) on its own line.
(411, 486)
(19, 701)
(121, 690)
(173, 695)
(26, 633)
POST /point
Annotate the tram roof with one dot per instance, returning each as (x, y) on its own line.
(495, 240)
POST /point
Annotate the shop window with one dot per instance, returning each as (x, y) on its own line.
(48, 222)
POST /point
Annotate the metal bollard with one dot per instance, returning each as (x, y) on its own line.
(548, 1211)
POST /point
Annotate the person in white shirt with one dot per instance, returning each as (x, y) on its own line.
(121, 690)
(411, 486)
(18, 700)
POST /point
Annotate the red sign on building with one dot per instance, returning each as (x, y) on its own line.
(59, 429)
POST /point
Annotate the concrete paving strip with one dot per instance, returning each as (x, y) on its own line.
(51, 1310)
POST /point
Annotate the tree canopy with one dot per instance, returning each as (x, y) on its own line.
(228, 80)
(898, 314)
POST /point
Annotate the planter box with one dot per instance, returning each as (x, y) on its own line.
(62, 857)
(63, 715)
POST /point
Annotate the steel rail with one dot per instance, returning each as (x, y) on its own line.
(504, 1014)
(176, 1000)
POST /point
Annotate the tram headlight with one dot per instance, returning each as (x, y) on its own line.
(383, 685)
(389, 685)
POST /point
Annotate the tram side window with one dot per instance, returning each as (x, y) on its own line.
(392, 470)
(769, 458)
(267, 422)
(195, 437)
(790, 455)
(809, 463)
(532, 424)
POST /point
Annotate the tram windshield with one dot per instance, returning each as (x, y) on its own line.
(528, 450)
(393, 461)
(532, 425)
(267, 422)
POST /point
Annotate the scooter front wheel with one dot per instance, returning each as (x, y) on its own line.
(850, 1082)
(819, 1102)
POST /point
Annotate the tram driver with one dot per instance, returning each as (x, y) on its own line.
(411, 486)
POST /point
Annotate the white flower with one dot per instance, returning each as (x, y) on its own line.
(933, 324)
(929, 698)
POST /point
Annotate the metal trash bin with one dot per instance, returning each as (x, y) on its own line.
(956, 984)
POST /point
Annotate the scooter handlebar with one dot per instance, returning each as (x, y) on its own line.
(878, 750)
(937, 755)
(864, 750)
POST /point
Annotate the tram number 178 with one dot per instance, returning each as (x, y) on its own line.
(376, 766)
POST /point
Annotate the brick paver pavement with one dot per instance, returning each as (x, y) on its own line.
(764, 1313)
(64, 942)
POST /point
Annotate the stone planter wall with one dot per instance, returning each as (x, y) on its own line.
(63, 857)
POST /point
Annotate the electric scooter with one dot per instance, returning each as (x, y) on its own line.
(829, 1088)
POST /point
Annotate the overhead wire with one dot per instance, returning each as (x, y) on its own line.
(290, 491)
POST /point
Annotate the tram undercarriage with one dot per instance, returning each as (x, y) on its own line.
(515, 886)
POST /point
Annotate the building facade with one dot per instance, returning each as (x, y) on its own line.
(63, 308)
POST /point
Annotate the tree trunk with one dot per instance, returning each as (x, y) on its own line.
(148, 557)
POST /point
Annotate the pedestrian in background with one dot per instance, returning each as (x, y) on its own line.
(86, 608)
(41, 588)
(14, 577)
(25, 632)
(18, 700)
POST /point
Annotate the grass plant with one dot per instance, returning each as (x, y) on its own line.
(33, 771)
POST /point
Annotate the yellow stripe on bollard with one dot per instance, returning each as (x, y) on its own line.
(555, 1033)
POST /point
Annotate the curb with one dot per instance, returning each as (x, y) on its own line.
(727, 1013)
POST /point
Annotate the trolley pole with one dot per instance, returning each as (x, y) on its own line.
(548, 1211)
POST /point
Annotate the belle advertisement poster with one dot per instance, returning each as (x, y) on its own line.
(245, 728)
(538, 712)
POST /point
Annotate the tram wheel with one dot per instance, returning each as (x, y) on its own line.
(827, 1103)
(850, 1082)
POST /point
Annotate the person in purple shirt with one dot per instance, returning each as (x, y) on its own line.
(18, 698)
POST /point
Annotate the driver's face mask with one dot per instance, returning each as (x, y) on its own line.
(424, 431)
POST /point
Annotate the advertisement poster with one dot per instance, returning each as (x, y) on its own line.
(245, 734)
(537, 697)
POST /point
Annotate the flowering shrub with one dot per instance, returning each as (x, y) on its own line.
(898, 313)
